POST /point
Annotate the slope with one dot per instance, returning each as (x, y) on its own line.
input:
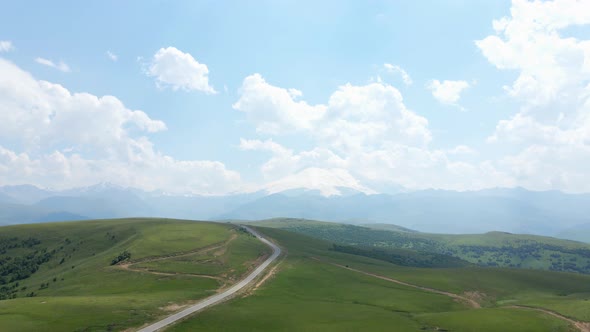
(491, 249)
(316, 288)
(72, 276)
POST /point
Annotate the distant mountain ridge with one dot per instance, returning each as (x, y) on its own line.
(516, 210)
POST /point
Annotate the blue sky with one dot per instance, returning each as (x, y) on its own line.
(444, 130)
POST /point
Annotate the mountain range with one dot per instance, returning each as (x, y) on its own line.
(516, 210)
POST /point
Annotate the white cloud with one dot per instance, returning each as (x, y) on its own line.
(447, 92)
(370, 116)
(399, 70)
(6, 46)
(178, 70)
(268, 145)
(61, 66)
(63, 139)
(422, 168)
(462, 150)
(546, 167)
(550, 66)
(552, 129)
(354, 115)
(285, 162)
(366, 133)
(274, 110)
(112, 56)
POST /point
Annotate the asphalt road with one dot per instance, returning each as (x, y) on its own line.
(213, 300)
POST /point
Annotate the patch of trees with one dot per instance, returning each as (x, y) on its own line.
(404, 257)
(362, 236)
(501, 255)
(14, 242)
(21, 267)
(125, 255)
(504, 255)
(19, 259)
(244, 231)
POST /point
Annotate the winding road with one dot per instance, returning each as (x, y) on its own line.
(214, 299)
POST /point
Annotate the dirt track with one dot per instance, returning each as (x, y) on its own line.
(581, 326)
(128, 265)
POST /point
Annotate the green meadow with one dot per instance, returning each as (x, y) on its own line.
(78, 289)
(309, 293)
(493, 249)
(162, 265)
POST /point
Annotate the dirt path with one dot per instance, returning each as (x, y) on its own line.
(468, 301)
(581, 326)
(128, 265)
(227, 294)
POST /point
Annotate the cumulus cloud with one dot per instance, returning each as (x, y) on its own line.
(179, 71)
(275, 110)
(447, 92)
(552, 129)
(363, 135)
(550, 66)
(61, 139)
(285, 162)
(61, 66)
(353, 115)
(393, 69)
(6, 46)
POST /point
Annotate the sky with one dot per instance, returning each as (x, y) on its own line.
(209, 97)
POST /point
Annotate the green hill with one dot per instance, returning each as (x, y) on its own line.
(318, 289)
(493, 249)
(119, 275)
(61, 277)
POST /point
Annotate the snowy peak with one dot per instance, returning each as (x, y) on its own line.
(326, 182)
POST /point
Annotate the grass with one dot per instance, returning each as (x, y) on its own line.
(491, 249)
(86, 293)
(227, 261)
(565, 293)
(495, 319)
(311, 295)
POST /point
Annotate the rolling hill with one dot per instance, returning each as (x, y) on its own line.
(119, 275)
(107, 275)
(490, 249)
(315, 288)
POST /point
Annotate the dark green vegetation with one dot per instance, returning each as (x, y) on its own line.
(80, 276)
(125, 255)
(494, 249)
(403, 257)
(310, 293)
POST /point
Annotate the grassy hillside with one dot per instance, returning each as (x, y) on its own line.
(313, 290)
(60, 277)
(494, 249)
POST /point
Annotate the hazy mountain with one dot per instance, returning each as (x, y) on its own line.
(433, 210)
(439, 211)
(198, 207)
(7, 199)
(109, 204)
(24, 194)
(19, 214)
(577, 233)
